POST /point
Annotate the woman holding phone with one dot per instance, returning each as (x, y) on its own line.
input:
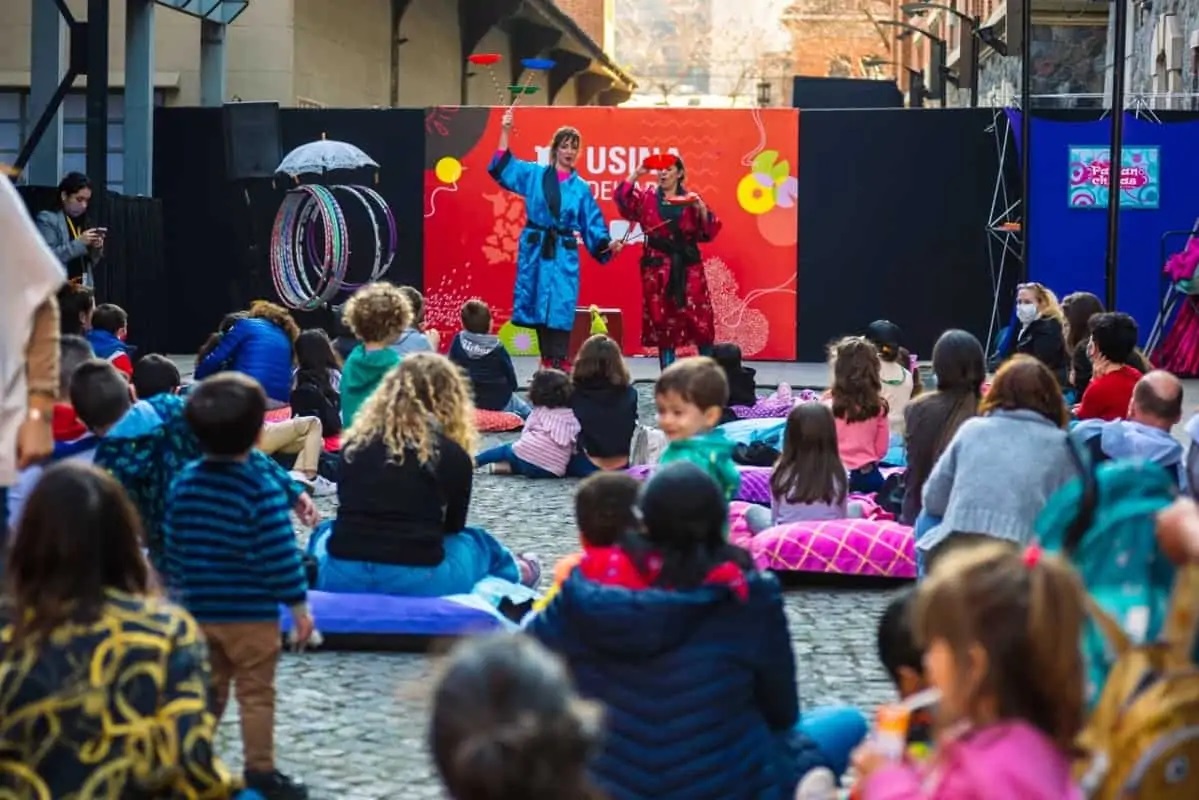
(677, 309)
(76, 247)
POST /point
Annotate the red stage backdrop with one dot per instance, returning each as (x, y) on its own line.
(743, 162)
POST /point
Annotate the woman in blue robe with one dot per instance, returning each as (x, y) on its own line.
(558, 203)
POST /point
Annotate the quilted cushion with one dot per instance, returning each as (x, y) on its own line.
(497, 421)
(844, 547)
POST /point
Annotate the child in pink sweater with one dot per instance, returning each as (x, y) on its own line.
(998, 627)
(549, 437)
(860, 412)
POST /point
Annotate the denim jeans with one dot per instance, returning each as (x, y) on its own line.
(470, 556)
(502, 454)
(518, 406)
(866, 480)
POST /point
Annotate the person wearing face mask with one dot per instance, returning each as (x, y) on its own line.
(677, 308)
(1042, 334)
(558, 203)
(78, 248)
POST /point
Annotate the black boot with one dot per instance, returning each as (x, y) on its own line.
(276, 786)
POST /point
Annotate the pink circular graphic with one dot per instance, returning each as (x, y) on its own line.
(779, 226)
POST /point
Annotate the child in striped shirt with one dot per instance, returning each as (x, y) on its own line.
(231, 557)
(549, 437)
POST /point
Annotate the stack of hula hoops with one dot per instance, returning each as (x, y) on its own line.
(310, 243)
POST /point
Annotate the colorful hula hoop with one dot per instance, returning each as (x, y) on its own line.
(307, 275)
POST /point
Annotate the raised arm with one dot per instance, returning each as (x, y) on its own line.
(510, 172)
(629, 198)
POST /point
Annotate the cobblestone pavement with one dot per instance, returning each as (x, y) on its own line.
(353, 724)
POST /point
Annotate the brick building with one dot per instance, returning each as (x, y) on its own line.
(839, 38)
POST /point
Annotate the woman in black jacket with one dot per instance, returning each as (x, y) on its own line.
(1042, 329)
(406, 478)
(605, 403)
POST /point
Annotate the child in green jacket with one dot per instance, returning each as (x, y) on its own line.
(691, 395)
(377, 314)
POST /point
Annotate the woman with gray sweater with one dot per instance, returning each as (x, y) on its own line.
(1002, 466)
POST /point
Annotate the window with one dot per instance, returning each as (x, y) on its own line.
(17, 121)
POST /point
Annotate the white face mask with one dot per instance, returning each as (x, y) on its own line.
(1026, 312)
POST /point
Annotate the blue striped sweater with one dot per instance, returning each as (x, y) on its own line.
(230, 552)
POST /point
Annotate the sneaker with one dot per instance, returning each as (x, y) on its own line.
(302, 479)
(275, 785)
(818, 784)
(323, 487)
(530, 569)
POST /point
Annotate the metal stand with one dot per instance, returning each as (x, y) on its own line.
(1116, 150)
(1003, 225)
(1025, 135)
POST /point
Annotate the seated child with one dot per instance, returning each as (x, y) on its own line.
(900, 383)
(904, 661)
(145, 445)
(547, 442)
(691, 394)
(809, 482)
(492, 687)
(482, 355)
(1007, 726)
(605, 404)
(65, 424)
(314, 391)
(110, 325)
(415, 339)
(743, 391)
(377, 313)
(231, 559)
(71, 437)
(154, 375)
(604, 505)
(856, 399)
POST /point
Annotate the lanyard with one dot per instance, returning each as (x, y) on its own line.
(71, 227)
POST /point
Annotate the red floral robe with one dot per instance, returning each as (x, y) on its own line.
(679, 313)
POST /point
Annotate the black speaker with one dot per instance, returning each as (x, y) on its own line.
(252, 147)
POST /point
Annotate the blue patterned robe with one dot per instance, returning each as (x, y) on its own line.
(547, 265)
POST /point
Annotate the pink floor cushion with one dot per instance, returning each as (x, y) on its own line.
(764, 409)
(859, 547)
(497, 421)
(281, 414)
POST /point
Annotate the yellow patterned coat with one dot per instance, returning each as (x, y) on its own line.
(116, 708)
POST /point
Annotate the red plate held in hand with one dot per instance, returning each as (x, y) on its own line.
(484, 59)
(689, 199)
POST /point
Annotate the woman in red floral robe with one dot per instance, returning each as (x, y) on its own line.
(676, 307)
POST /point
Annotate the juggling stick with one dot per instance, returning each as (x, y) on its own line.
(489, 60)
(628, 235)
(531, 65)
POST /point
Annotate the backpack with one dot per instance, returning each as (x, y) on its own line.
(1142, 738)
(1105, 524)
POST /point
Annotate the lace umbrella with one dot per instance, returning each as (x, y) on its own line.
(324, 155)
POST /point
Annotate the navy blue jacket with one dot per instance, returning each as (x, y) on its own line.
(489, 367)
(258, 348)
(698, 688)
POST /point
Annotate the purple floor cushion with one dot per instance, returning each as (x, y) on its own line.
(755, 482)
(861, 547)
(358, 620)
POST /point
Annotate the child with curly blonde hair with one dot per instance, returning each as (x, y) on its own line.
(404, 493)
(377, 314)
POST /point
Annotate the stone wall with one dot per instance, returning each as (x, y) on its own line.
(1067, 60)
(1141, 79)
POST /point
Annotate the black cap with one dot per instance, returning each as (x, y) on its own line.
(884, 333)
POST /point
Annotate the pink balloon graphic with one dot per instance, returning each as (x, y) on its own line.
(779, 226)
(787, 194)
